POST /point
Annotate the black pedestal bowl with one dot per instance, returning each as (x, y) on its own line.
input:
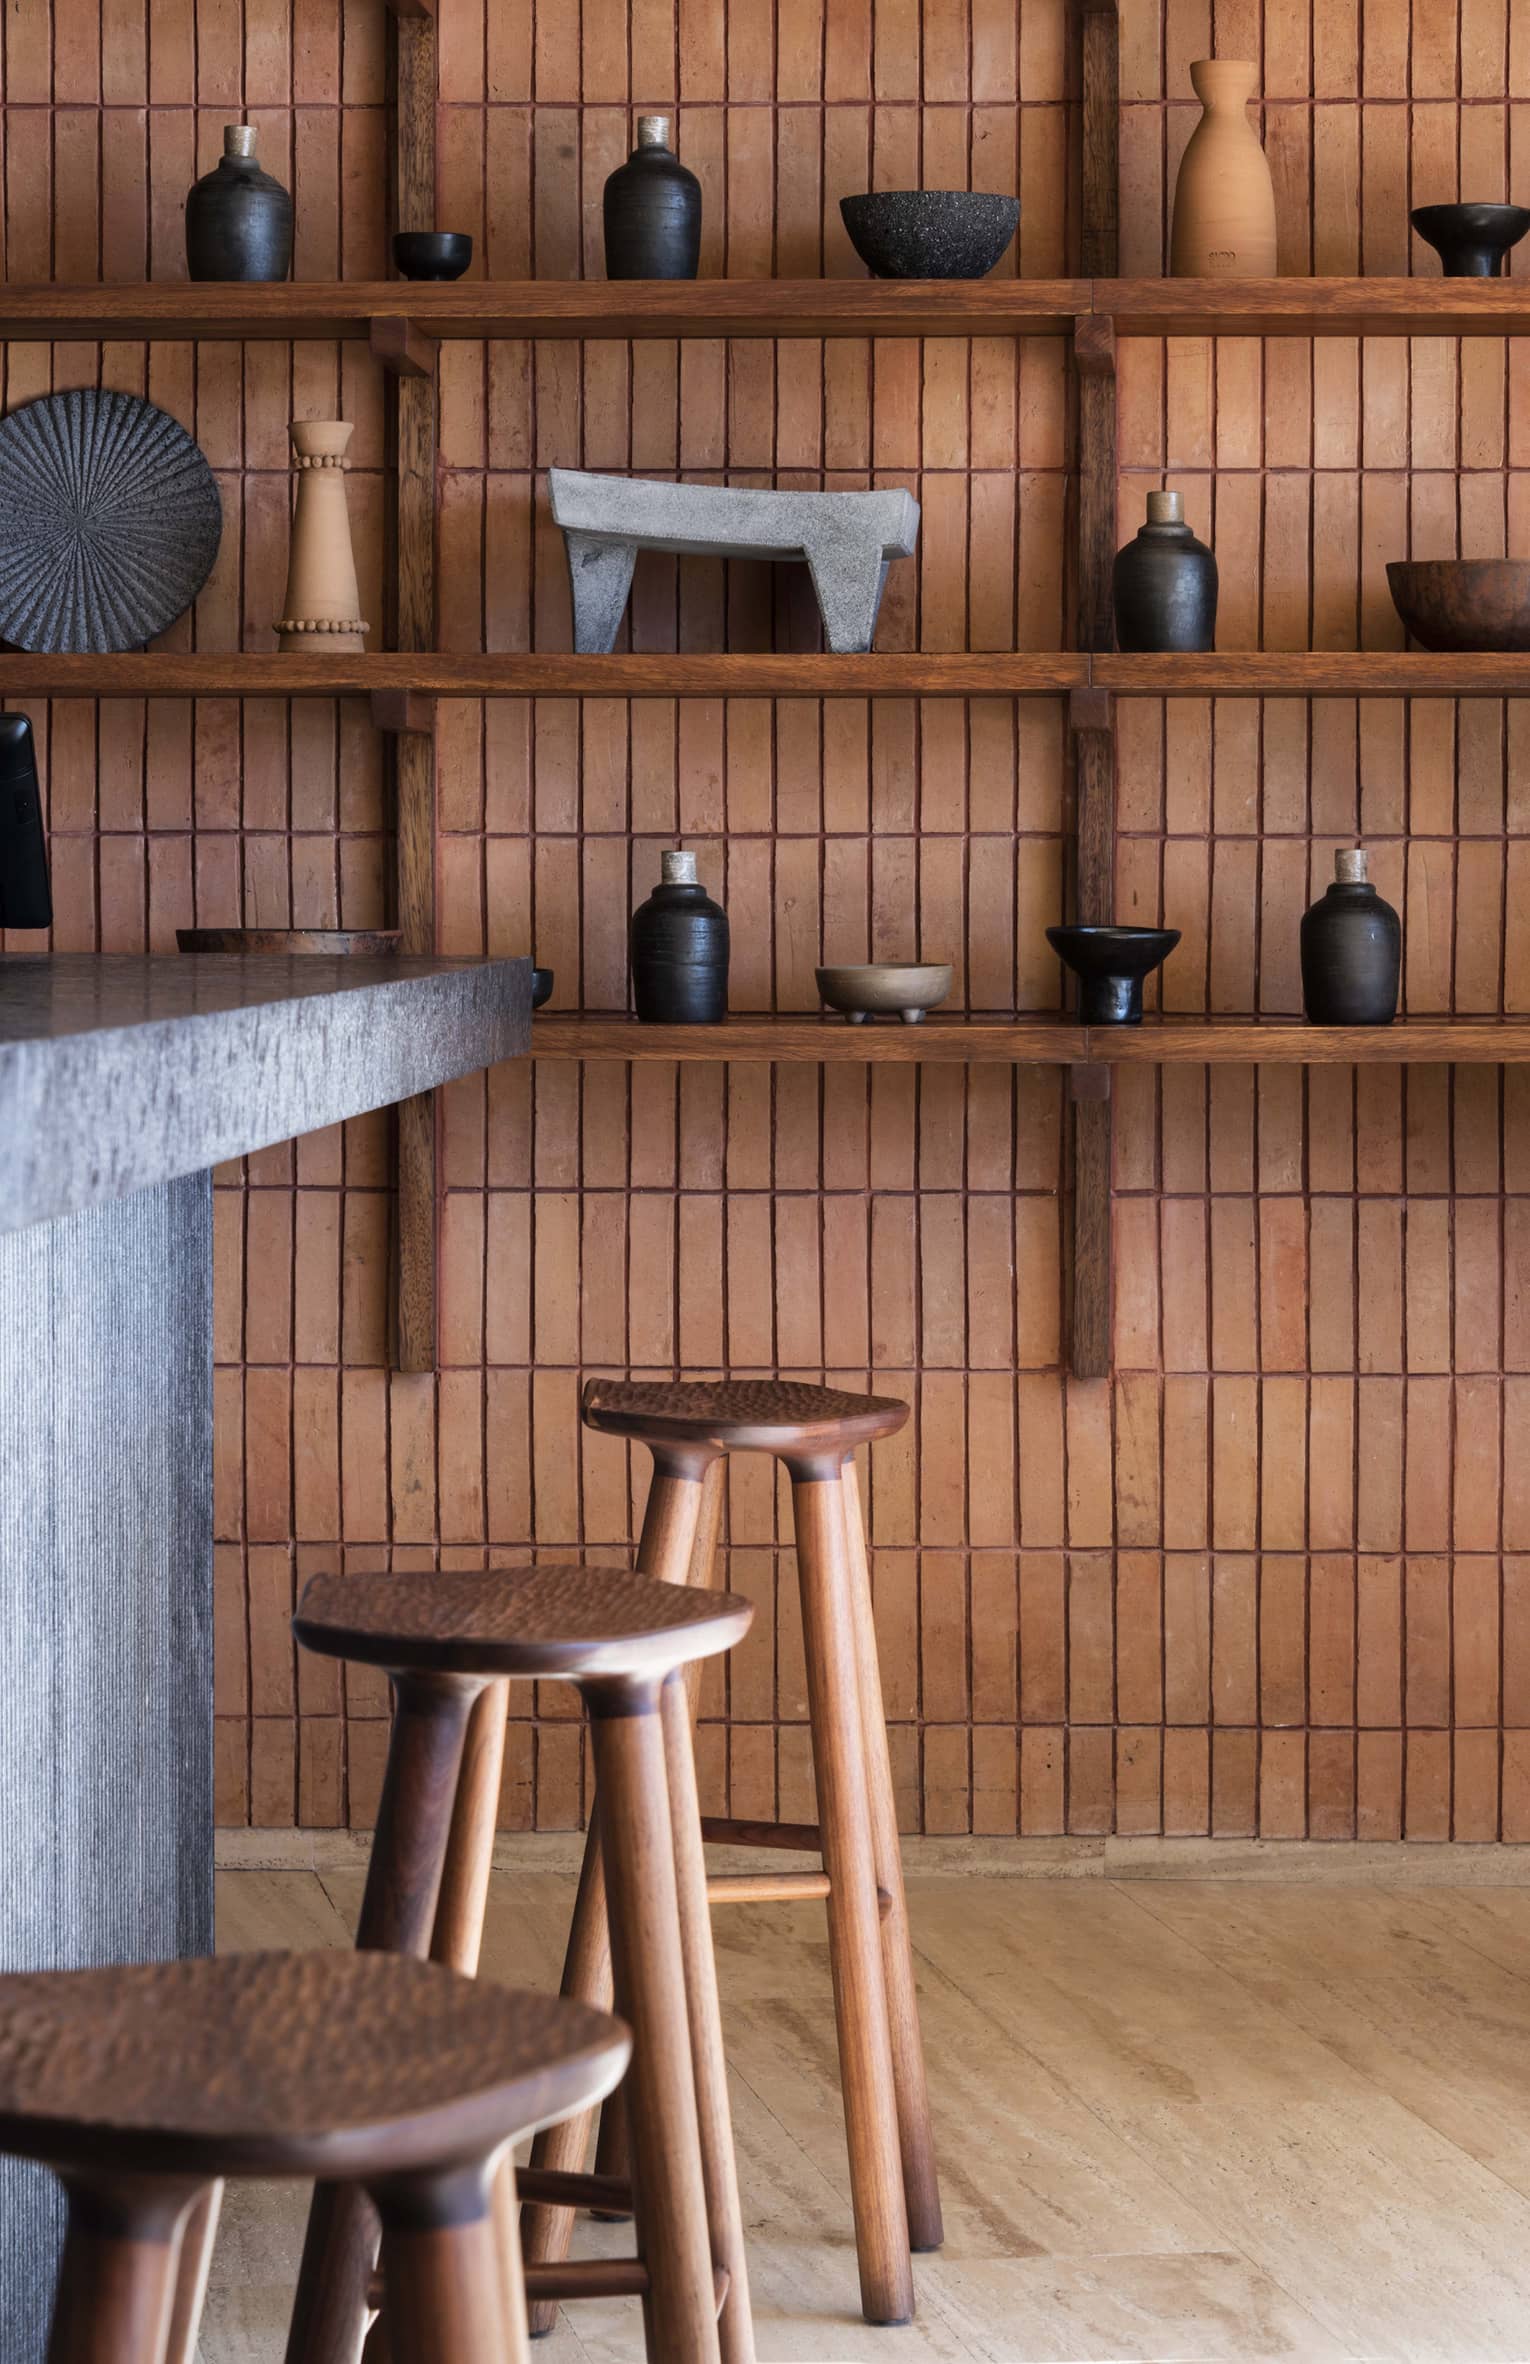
(432, 254)
(1472, 241)
(541, 987)
(1110, 964)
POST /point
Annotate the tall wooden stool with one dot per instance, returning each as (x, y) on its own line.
(688, 1426)
(447, 1640)
(142, 2087)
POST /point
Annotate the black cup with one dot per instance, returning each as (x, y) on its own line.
(432, 254)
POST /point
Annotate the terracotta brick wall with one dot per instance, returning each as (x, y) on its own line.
(1269, 1579)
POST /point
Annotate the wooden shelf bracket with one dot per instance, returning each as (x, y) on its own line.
(1091, 714)
(411, 578)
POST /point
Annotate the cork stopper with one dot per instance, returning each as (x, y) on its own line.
(677, 869)
(1352, 866)
(239, 140)
(653, 131)
(1166, 508)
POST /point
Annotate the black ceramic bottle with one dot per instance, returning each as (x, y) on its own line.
(1165, 583)
(238, 219)
(679, 948)
(1351, 950)
(653, 210)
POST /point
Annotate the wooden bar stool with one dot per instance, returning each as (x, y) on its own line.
(688, 1426)
(142, 2087)
(450, 1642)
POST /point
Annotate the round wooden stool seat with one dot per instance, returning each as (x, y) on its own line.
(781, 1416)
(343, 2066)
(581, 1623)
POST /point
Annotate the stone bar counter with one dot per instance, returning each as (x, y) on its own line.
(123, 1081)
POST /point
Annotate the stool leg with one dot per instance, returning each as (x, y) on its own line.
(545, 2232)
(673, 1519)
(116, 2283)
(735, 2325)
(855, 1935)
(669, 2198)
(916, 2139)
(398, 1914)
(458, 1932)
(444, 2287)
(197, 2237)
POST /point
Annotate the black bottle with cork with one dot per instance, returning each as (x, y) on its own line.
(679, 950)
(1351, 950)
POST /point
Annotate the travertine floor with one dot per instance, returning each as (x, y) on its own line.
(1184, 2120)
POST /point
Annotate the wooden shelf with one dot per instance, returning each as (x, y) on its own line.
(478, 308)
(1314, 307)
(1313, 673)
(953, 1042)
(165, 673)
(1041, 1039)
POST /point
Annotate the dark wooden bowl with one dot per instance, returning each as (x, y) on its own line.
(290, 940)
(1463, 603)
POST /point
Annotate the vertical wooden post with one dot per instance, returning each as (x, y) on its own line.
(1091, 722)
(411, 587)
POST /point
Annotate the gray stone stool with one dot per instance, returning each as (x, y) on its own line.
(847, 539)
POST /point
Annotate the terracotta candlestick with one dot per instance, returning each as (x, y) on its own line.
(1224, 202)
(322, 610)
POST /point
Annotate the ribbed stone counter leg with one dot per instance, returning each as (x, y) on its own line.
(105, 1624)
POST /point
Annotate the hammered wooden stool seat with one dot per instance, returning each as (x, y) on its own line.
(143, 2087)
(451, 1642)
(688, 1426)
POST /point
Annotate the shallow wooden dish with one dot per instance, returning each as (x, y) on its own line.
(1463, 603)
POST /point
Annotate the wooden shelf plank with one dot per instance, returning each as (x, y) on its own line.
(1314, 307)
(1313, 673)
(1443, 1042)
(168, 673)
(1040, 1039)
(477, 308)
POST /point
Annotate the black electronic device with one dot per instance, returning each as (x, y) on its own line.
(25, 898)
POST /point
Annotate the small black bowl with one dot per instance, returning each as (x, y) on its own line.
(930, 233)
(1110, 964)
(1472, 241)
(432, 254)
(541, 987)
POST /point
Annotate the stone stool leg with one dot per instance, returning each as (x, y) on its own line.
(431, 1717)
(855, 1934)
(681, 1490)
(847, 583)
(921, 2185)
(443, 2271)
(668, 2192)
(117, 2279)
(601, 576)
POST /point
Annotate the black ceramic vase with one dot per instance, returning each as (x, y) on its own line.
(238, 219)
(1351, 950)
(653, 210)
(1165, 583)
(1472, 241)
(679, 949)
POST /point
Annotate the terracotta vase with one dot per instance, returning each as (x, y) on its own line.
(1224, 203)
(322, 610)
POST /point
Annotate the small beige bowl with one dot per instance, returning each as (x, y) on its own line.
(883, 985)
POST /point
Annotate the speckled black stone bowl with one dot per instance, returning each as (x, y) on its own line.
(432, 254)
(930, 233)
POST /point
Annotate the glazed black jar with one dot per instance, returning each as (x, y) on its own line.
(1165, 583)
(238, 219)
(1351, 950)
(679, 950)
(653, 210)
